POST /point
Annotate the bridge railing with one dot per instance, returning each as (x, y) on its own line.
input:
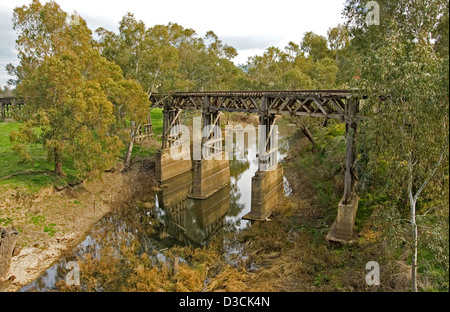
(10, 107)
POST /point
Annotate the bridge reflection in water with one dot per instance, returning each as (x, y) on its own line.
(198, 221)
(191, 221)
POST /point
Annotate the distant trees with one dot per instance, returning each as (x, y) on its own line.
(79, 92)
(74, 97)
(6, 91)
(309, 65)
(167, 58)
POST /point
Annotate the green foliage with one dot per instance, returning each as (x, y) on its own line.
(5, 221)
(33, 174)
(290, 69)
(315, 46)
(321, 170)
(75, 97)
(157, 121)
(49, 229)
(37, 220)
(403, 139)
(167, 58)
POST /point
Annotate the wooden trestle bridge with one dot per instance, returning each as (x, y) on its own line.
(339, 104)
(9, 106)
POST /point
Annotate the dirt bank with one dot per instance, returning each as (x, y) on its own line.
(52, 222)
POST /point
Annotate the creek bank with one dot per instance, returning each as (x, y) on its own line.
(53, 222)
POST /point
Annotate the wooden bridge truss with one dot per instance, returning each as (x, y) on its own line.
(338, 104)
(9, 106)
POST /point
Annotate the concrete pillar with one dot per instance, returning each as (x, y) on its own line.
(267, 191)
(267, 143)
(209, 216)
(342, 229)
(212, 172)
(166, 167)
(346, 218)
(210, 176)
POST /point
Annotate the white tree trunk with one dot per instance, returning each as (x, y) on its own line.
(131, 144)
(412, 202)
(415, 239)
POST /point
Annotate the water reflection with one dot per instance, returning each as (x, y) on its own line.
(122, 236)
(191, 221)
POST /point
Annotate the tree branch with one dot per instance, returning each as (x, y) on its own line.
(432, 172)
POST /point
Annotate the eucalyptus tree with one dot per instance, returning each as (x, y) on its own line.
(71, 92)
(403, 70)
(308, 65)
(167, 58)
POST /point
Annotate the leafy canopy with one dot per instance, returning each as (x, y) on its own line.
(75, 97)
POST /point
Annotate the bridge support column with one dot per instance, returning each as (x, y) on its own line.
(212, 172)
(209, 177)
(342, 228)
(166, 166)
(267, 190)
(267, 184)
(210, 216)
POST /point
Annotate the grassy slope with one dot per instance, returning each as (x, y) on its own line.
(10, 162)
(157, 120)
(149, 148)
(291, 250)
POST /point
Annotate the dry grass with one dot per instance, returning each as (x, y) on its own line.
(51, 222)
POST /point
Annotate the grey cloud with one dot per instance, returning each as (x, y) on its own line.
(96, 21)
(8, 53)
(251, 42)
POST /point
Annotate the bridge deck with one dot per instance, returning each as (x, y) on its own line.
(315, 103)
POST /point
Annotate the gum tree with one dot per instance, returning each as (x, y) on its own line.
(404, 73)
(72, 93)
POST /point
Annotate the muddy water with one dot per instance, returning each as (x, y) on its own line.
(172, 219)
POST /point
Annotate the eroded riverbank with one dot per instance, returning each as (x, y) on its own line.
(53, 222)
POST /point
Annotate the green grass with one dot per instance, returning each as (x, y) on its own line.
(10, 163)
(157, 121)
(157, 128)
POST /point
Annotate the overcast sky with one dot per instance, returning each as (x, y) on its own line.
(250, 26)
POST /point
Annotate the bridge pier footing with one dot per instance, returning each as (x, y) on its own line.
(209, 177)
(166, 167)
(342, 229)
(267, 190)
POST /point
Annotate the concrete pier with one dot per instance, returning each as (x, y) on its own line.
(211, 209)
(267, 190)
(342, 229)
(166, 167)
(209, 177)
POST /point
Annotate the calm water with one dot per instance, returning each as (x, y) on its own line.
(174, 219)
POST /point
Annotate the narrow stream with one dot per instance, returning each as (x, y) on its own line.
(175, 219)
